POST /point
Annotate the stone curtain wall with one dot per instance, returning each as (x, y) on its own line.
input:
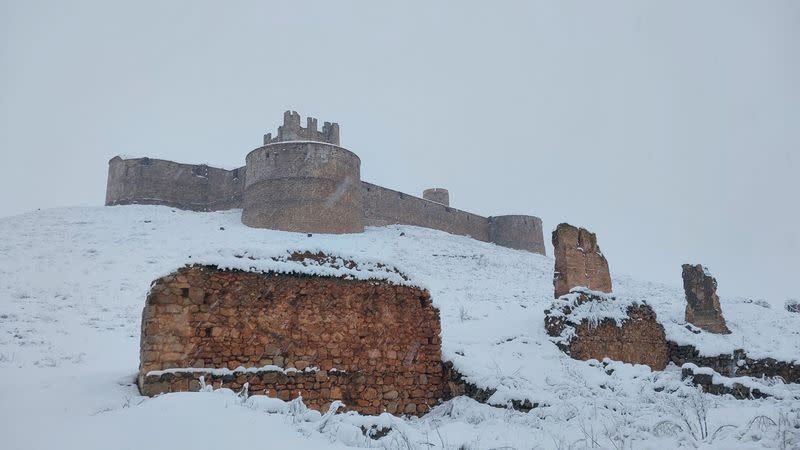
(384, 206)
(376, 345)
(149, 181)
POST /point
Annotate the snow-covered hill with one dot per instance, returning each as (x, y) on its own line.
(73, 283)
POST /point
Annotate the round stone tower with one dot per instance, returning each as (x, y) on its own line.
(302, 181)
(517, 231)
(438, 195)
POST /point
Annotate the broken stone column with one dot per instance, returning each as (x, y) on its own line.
(579, 261)
(702, 303)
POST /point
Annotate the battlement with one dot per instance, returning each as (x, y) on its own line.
(292, 131)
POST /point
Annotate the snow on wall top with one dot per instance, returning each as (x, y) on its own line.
(306, 262)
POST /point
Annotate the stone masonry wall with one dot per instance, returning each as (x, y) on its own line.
(639, 340)
(736, 364)
(192, 187)
(579, 261)
(517, 231)
(384, 206)
(438, 195)
(372, 344)
(309, 187)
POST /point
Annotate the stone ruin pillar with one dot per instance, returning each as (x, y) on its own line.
(702, 303)
(579, 261)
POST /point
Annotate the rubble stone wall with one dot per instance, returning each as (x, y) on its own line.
(640, 339)
(736, 364)
(372, 344)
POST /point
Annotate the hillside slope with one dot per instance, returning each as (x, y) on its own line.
(73, 283)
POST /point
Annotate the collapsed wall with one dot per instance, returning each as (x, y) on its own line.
(372, 344)
(702, 302)
(592, 325)
(579, 261)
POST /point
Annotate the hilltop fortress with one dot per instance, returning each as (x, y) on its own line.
(301, 180)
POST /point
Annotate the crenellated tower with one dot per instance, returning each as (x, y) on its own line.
(301, 180)
(292, 131)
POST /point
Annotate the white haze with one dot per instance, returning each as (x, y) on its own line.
(672, 129)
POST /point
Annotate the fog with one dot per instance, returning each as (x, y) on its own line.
(671, 129)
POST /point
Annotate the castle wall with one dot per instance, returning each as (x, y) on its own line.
(384, 206)
(519, 232)
(186, 186)
(302, 181)
(383, 340)
(310, 187)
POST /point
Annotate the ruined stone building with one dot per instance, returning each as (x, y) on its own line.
(372, 344)
(303, 180)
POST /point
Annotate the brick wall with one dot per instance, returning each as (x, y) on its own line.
(383, 340)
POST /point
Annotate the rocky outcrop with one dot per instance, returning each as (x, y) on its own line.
(793, 305)
(370, 343)
(628, 333)
(702, 303)
(579, 261)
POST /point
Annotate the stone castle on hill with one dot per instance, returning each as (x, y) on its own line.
(301, 180)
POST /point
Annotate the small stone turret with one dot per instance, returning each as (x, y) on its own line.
(438, 195)
(292, 131)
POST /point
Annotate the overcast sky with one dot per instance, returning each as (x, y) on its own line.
(672, 129)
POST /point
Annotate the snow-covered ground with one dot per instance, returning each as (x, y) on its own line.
(73, 283)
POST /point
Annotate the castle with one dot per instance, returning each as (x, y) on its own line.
(301, 180)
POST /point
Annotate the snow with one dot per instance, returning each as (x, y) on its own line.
(771, 387)
(225, 371)
(347, 267)
(73, 283)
